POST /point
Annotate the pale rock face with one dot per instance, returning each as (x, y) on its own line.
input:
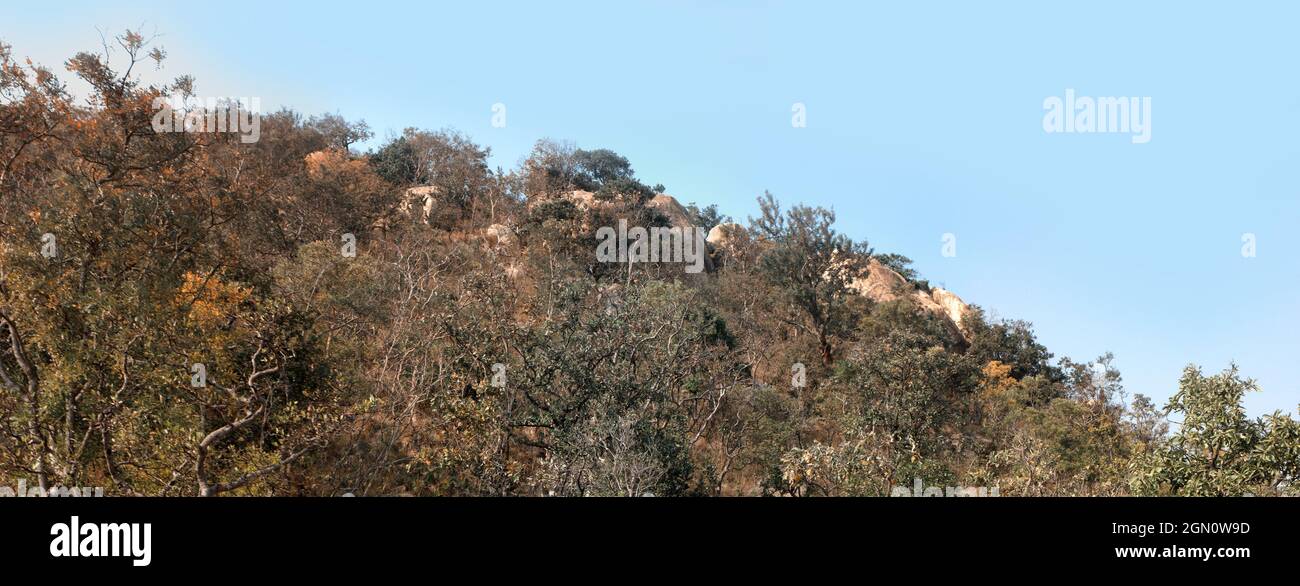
(668, 205)
(499, 234)
(585, 200)
(952, 305)
(317, 162)
(883, 284)
(331, 161)
(725, 235)
(423, 199)
(663, 203)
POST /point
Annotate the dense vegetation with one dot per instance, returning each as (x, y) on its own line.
(179, 315)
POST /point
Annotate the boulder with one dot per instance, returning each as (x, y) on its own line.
(419, 201)
(585, 200)
(952, 305)
(726, 235)
(672, 209)
(499, 235)
(882, 284)
(331, 161)
(665, 204)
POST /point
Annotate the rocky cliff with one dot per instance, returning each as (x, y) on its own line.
(881, 284)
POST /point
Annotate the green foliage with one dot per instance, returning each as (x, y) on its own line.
(556, 167)
(339, 132)
(903, 266)
(813, 265)
(903, 394)
(437, 360)
(1011, 343)
(396, 163)
(707, 217)
(1218, 450)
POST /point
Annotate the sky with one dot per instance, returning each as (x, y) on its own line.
(923, 119)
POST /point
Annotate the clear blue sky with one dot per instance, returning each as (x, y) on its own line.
(923, 119)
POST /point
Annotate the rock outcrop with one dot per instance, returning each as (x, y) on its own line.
(319, 162)
(727, 235)
(672, 209)
(419, 202)
(499, 235)
(332, 162)
(663, 203)
(952, 305)
(882, 284)
(584, 200)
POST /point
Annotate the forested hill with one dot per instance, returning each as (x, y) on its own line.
(208, 313)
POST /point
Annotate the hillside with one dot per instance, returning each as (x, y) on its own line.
(192, 313)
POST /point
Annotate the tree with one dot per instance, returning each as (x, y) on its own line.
(813, 265)
(397, 163)
(903, 399)
(557, 167)
(446, 160)
(599, 168)
(340, 133)
(706, 217)
(145, 347)
(1011, 343)
(1218, 450)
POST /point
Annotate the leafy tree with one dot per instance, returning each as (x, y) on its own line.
(706, 217)
(339, 132)
(1011, 343)
(397, 163)
(144, 341)
(557, 167)
(813, 265)
(1218, 450)
(600, 167)
(447, 161)
(754, 427)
